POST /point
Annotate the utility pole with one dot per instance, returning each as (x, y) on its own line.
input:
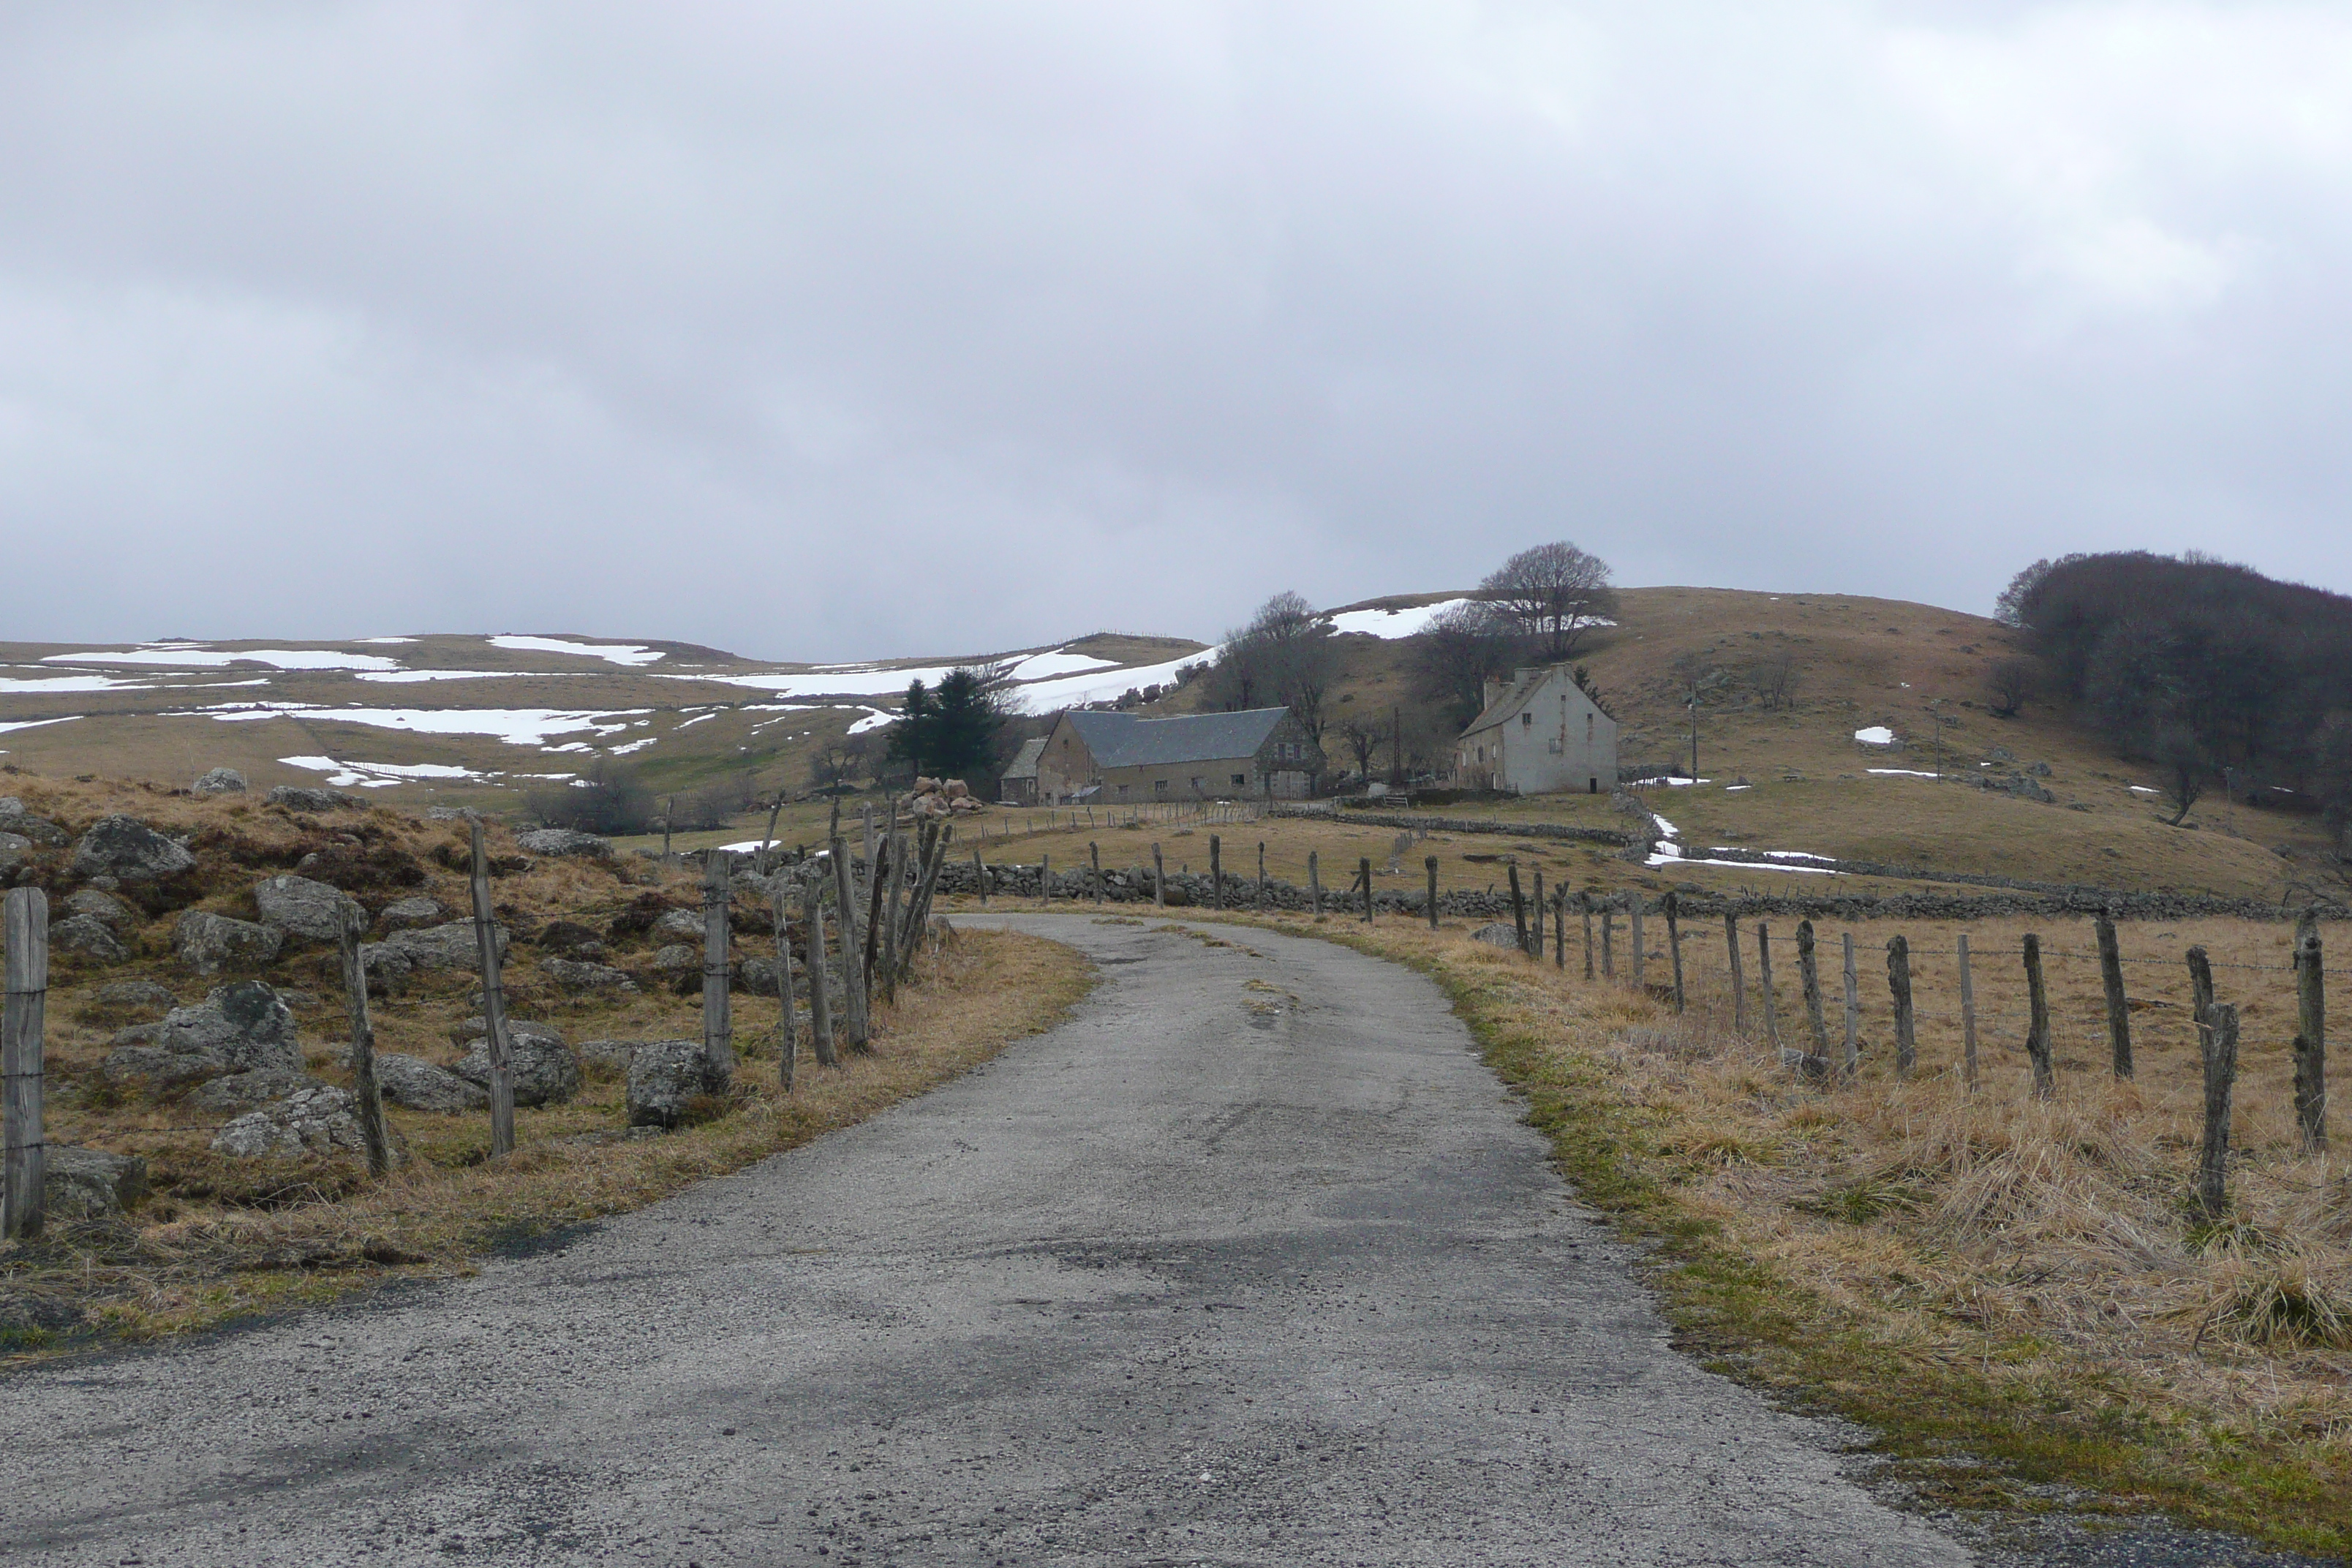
(1694, 708)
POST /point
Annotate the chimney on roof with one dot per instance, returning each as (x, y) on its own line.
(1496, 685)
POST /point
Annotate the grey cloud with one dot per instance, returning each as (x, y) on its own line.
(939, 328)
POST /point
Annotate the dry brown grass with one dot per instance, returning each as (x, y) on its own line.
(1988, 1274)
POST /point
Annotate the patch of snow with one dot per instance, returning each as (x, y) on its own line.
(1876, 735)
(1038, 666)
(1795, 855)
(407, 677)
(1391, 624)
(1676, 859)
(2135, 789)
(1672, 782)
(1901, 772)
(211, 685)
(515, 726)
(386, 639)
(874, 719)
(1666, 828)
(36, 723)
(632, 746)
(278, 657)
(863, 682)
(1073, 690)
(379, 775)
(697, 719)
(1735, 789)
(632, 654)
(59, 684)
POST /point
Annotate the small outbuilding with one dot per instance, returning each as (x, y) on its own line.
(1539, 733)
(1019, 785)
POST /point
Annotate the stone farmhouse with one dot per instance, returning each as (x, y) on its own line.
(1539, 733)
(1019, 785)
(1115, 758)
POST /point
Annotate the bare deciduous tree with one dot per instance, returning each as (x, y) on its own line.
(2012, 682)
(1774, 677)
(1283, 658)
(2185, 768)
(1362, 741)
(1453, 655)
(1554, 591)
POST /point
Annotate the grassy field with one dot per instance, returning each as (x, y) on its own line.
(2015, 1296)
(221, 1235)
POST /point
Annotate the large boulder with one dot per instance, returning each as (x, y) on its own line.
(665, 1076)
(1496, 935)
(572, 974)
(678, 958)
(450, 946)
(14, 848)
(757, 975)
(610, 1056)
(312, 912)
(100, 906)
(207, 942)
(91, 1184)
(87, 935)
(15, 818)
(236, 1028)
(308, 797)
(563, 841)
(221, 781)
(571, 938)
(677, 925)
(318, 1121)
(403, 914)
(127, 848)
(542, 1068)
(419, 1085)
(240, 1092)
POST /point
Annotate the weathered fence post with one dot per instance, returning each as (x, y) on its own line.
(1044, 878)
(2219, 1035)
(1675, 941)
(1607, 940)
(364, 1089)
(1429, 865)
(852, 963)
(24, 1164)
(1158, 879)
(1261, 873)
(820, 997)
(788, 1034)
(1764, 979)
(1559, 928)
(1968, 1020)
(717, 1016)
(494, 1003)
(1584, 907)
(1217, 873)
(878, 872)
(2200, 986)
(1898, 981)
(1365, 871)
(1518, 907)
(1809, 973)
(1315, 884)
(893, 856)
(1852, 1064)
(1094, 863)
(1640, 946)
(979, 874)
(2111, 977)
(1537, 952)
(2311, 1035)
(2037, 1028)
(1738, 980)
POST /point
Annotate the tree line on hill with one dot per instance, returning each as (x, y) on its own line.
(2211, 670)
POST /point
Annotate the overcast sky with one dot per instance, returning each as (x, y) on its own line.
(835, 331)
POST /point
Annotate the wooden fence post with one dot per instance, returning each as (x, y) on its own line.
(363, 1085)
(2200, 986)
(1044, 878)
(1559, 928)
(1315, 884)
(1217, 873)
(2311, 1035)
(979, 874)
(1537, 952)
(1738, 980)
(1584, 907)
(788, 1034)
(2037, 1029)
(1607, 940)
(2111, 977)
(1675, 941)
(494, 1003)
(1518, 907)
(1366, 871)
(2219, 1036)
(1261, 873)
(1094, 862)
(24, 915)
(1640, 944)
(878, 874)
(1429, 865)
(718, 1015)
(894, 857)
(1764, 979)
(1898, 981)
(852, 963)
(1968, 1020)
(1158, 879)
(1809, 971)
(820, 996)
(1852, 1064)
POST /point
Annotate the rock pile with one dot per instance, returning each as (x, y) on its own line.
(943, 797)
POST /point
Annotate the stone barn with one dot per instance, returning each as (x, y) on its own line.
(1121, 759)
(1539, 733)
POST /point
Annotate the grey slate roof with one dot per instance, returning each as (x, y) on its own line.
(1124, 740)
(1024, 760)
(1515, 696)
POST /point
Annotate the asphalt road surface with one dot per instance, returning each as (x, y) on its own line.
(1251, 1262)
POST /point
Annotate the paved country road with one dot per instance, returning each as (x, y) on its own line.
(1250, 1262)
